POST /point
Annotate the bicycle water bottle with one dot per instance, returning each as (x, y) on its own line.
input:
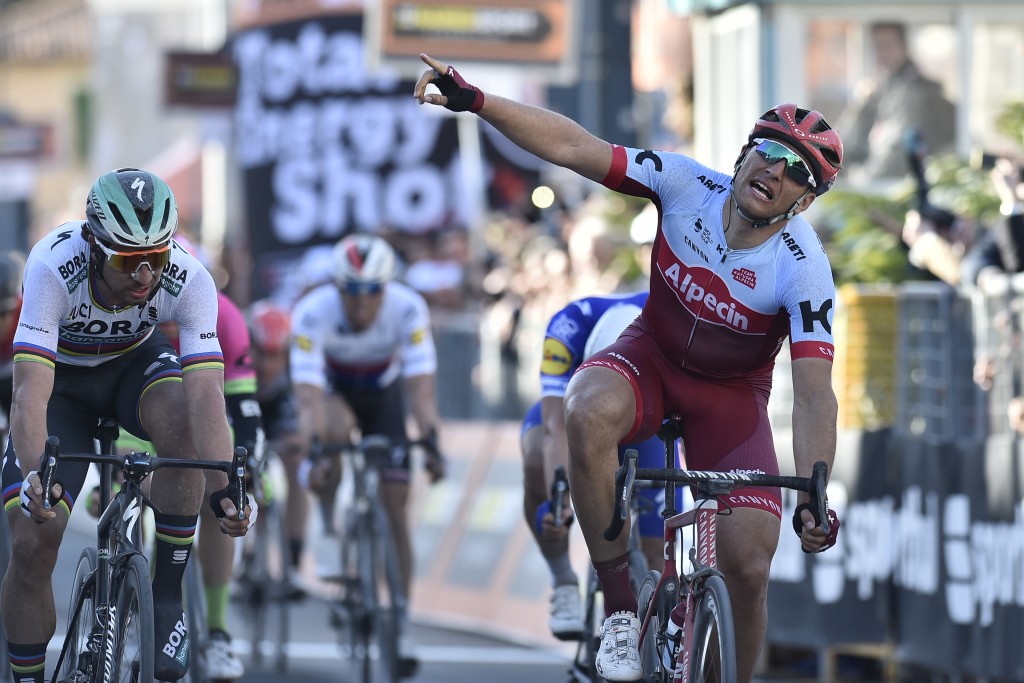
(673, 632)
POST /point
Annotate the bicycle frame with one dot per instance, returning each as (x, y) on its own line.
(687, 589)
(118, 530)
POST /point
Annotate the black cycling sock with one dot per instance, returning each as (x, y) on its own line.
(28, 662)
(174, 537)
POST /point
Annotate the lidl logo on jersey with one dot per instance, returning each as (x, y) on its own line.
(557, 358)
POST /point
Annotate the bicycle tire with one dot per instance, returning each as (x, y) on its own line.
(357, 602)
(134, 655)
(653, 647)
(390, 615)
(5, 560)
(714, 651)
(593, 619)
(78, 629)
(263, 584)
(195, 619)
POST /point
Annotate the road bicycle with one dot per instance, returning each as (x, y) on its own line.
(110, 618)
(704, 648)
(370, 612)
(583, 668)
(263, 587)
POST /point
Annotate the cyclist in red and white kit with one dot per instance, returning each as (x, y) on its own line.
(735, 270)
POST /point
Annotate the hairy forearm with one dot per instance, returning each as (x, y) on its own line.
(814, 431)
(549, 135)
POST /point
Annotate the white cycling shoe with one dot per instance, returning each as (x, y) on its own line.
(618, 658)
(222, 664)
(566, 620)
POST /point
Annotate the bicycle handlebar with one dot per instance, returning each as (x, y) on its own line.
(137, 466)
(625, 476)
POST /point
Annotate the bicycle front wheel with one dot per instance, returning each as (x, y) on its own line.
(654, 648)
(714, 654)
(133, 647)
(80, 624)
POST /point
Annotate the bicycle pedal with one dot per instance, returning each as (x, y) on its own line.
(570, 636)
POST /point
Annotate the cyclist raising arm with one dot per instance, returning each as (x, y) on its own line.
(735, 269)
(87, 347)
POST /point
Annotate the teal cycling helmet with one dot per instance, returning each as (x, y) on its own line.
(131, 209)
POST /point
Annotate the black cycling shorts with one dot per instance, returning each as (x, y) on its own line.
(84, 395)
(381, 412)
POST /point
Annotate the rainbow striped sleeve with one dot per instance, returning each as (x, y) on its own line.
(202, 361)
(35, 354)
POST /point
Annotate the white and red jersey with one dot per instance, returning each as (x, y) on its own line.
(63, 321)
(723, 313)
(325, 348)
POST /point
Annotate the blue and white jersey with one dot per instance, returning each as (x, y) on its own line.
(567, 334)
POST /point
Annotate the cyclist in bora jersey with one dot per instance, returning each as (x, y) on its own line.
(735, 270)
(352, 341)
(87, 347)
(574, 333)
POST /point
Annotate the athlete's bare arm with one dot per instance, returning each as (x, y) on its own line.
(547, 134)
(814, 416)
(33, 384)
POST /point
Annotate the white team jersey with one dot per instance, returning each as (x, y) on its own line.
(62, 320)
(399, 343)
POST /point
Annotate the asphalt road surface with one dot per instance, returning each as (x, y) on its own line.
(447, 655)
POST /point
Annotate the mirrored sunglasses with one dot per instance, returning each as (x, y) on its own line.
(353, 288)
(773, 152)
(131, 261)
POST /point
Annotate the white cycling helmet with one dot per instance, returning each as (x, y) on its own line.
(363, 260)
(131, 209)
(609, 326)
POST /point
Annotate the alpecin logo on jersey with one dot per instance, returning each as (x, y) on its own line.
(718, 303)
(745, 276)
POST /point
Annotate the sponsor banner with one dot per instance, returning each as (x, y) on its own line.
(538, 35)
(930, 557)
(200, 79)
(328, 148)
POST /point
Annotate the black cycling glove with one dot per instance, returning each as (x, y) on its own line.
(461, 95)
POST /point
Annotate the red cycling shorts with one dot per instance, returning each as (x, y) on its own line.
(725, 424)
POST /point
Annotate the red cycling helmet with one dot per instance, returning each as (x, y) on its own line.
(809, 133)
(269, 327)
